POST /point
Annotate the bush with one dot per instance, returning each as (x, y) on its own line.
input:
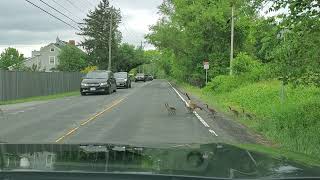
(225, 83)
(244, 64)
(89, 69)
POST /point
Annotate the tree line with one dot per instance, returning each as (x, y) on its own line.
(284, 46)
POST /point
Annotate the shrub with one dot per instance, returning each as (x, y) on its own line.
(89, 69)
(245, 65)
(225, 83)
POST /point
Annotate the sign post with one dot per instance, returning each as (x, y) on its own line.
(206, 67)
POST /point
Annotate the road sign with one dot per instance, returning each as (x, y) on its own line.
(205, 65)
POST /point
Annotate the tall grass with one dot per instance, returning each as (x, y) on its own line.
(292, 121)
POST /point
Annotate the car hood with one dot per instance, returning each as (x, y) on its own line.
(208, 160)
(89, 81)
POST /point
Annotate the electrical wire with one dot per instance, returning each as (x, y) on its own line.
(90, 2)
(53, 15)
(66, 9)
(70, 2)
(59, 12)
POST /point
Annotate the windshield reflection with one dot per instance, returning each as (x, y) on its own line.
(211, 160)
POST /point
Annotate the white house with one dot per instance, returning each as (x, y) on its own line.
(46, 58)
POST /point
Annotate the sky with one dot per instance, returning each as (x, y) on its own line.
(27, 28)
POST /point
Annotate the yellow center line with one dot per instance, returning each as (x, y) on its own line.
(89, 120)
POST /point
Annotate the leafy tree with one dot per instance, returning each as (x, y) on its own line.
(194, 31)
(293, 46)
(96, 32)
(11, 58)
(71, 59)
(128, 57)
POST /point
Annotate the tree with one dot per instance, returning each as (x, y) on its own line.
(72, 59)
(193, 31)
(96, 32)
(128, 57)
(11, 58)
(293, 47)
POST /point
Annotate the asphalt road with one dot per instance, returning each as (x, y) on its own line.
(135, 116)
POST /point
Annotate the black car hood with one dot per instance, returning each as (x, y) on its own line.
(208, 160)
(93, 80)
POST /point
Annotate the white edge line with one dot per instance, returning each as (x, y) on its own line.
(195, 113)
(200, 118)
(212, 132)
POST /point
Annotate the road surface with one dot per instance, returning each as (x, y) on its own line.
(135, 116)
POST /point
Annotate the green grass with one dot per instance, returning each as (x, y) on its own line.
(41, 98)
(293, 124)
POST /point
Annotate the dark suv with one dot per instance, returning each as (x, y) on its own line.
(98, 82)
(140, 77)
(123, 79)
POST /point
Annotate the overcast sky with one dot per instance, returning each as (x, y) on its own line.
(26, 28)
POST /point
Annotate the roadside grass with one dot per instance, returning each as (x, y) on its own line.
(41, 98)
(293, 124)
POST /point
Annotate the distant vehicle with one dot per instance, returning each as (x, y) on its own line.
(140, 77)
(123, 79)
(149, 77)
(98, 82)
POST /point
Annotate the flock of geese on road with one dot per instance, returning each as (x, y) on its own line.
(192, 106)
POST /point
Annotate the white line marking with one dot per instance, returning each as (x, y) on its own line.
(201, 120)
(212, 132)
(178, 93)
(194, 112)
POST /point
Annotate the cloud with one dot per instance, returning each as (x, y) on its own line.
(25, 25)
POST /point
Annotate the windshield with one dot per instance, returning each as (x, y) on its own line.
(96, 75)
(120, 75)
(212, 88)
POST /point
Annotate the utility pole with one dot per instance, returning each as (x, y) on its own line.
(110, 40)
(142, 64)
(232, 35)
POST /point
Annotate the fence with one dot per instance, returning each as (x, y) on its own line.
(16, 84)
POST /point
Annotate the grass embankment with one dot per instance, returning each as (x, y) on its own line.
(292, 123)
(41, 98)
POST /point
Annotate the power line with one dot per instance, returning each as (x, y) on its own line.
(70, 2)
(66, 9)
(53, 15)
(90, 2)
(58, 11)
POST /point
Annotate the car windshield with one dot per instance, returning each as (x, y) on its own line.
(120, 75)
(96, 75)
(211, 88)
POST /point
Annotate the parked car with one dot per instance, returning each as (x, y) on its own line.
(149, 77)
(98, 82)
(140, 77)
(123, 79)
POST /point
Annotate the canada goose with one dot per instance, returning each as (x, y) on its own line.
(191, 105)
(171, 110)
(212, 111)
(249, 116)
(234, 111)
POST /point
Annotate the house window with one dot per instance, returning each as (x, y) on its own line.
(52, 49)
(52, 60)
